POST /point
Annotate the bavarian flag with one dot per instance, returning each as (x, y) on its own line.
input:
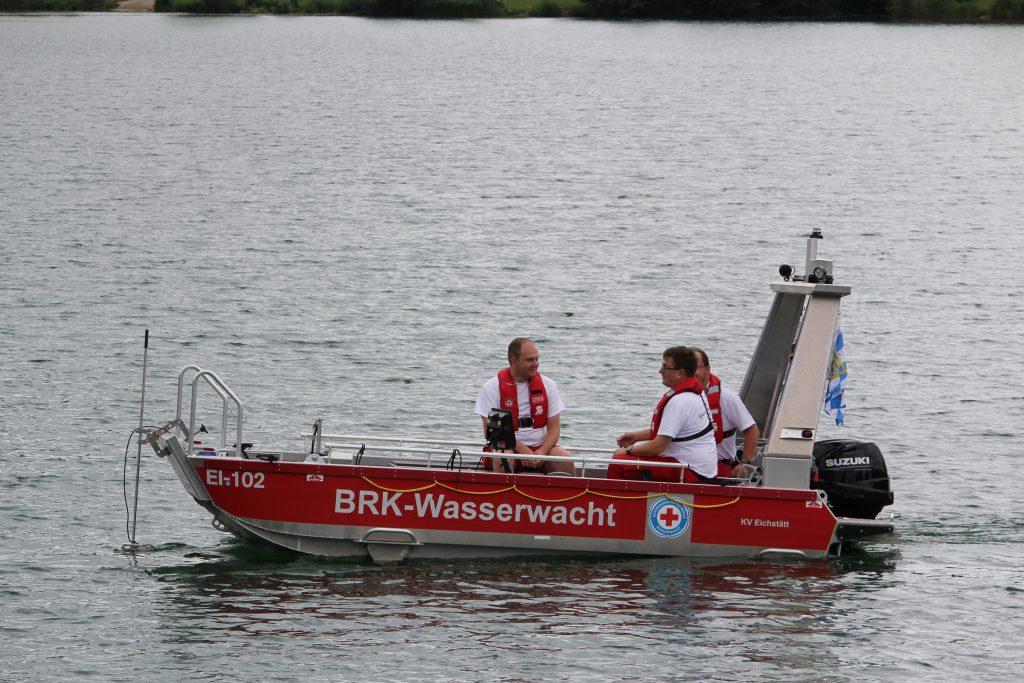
(835, 401)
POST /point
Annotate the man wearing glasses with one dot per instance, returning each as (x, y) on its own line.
(682, 429)
(535, 405)
(730, 416)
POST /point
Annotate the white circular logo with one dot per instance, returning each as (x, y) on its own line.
(669, 519)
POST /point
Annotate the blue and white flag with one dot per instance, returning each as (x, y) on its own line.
(835, 401)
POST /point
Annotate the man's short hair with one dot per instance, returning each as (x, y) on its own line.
(515, 347)
(703, 357)
(683, 358)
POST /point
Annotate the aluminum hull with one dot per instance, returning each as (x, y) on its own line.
(394, 513)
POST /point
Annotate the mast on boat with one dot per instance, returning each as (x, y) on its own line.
(788, 373)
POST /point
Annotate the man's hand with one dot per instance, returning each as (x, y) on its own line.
(626, 440)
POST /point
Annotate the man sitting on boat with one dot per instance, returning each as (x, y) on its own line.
(730, 416)
(682, 429)
(535, 405)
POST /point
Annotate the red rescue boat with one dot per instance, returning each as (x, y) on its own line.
(393, 498)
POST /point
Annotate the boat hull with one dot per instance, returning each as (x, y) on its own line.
(394, 513)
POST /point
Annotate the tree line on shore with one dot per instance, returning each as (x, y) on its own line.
(959, 11)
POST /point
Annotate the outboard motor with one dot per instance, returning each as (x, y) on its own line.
(853, 475)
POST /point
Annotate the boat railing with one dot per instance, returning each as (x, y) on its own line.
(400, 441)
(427, 452)
(582, 455)
(226, 395)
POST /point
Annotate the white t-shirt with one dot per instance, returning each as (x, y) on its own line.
(490, 399)
(688, 413)
(734, 416)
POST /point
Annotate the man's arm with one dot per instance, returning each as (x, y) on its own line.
(629, 438)
(643, 449)
(737, 415)
(750, 436)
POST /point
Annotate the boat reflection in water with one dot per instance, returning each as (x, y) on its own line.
(756, 611)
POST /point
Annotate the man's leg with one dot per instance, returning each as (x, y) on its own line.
(628, 472)
(565, 467)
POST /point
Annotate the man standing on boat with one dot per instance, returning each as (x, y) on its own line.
(682, 429)
(535, 405)
(730, 416)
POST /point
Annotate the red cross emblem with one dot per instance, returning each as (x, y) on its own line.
(669, 517)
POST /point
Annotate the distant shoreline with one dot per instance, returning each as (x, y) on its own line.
(883, 11)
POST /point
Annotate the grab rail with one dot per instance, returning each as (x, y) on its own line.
(181, 378)
(367, 446)
(225, 393)
(332, 439)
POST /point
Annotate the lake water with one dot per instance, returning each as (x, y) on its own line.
(350, 219)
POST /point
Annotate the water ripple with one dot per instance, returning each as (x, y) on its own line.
(359, 215)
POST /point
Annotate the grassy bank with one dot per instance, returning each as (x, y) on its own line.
(952, 11)
(955, 11)
(57, 5)
(423, 9)
(958, 11)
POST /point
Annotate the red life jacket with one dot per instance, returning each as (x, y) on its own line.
(510, 398)
(691, 385)
(714, 394)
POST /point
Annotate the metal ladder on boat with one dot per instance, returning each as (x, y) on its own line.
(227, 396)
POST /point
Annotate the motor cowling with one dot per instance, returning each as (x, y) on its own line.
(853, 475)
